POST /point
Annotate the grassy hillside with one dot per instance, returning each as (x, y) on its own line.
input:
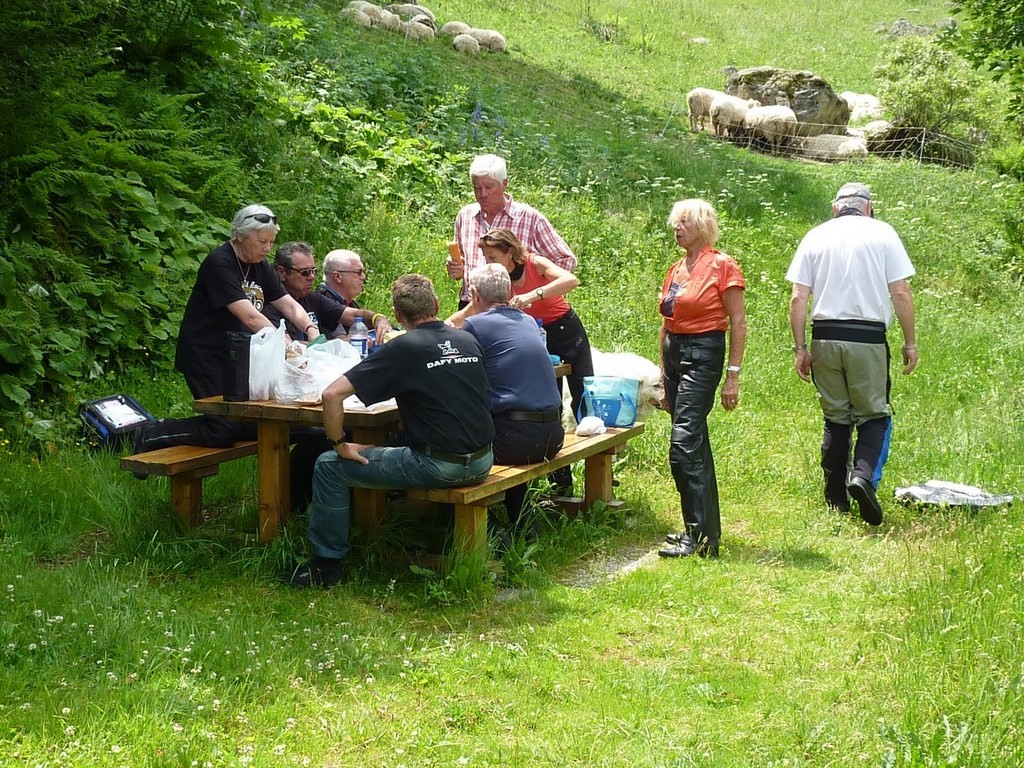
(812, 642)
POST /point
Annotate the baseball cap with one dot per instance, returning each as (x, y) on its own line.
(853, 189)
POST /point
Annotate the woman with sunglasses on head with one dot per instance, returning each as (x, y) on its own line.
(233, 284)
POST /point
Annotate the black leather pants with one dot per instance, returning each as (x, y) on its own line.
(693, 370)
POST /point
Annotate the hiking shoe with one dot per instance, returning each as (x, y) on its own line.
(322, 572)
(863, 493)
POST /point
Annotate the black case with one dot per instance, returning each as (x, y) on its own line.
(111, 420)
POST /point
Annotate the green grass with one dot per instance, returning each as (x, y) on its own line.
(812, 642)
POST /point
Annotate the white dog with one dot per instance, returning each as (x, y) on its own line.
(628, 366)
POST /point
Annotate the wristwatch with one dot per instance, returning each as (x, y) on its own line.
(540, 293)
(799, 348)
(732, 368)
(338, 442)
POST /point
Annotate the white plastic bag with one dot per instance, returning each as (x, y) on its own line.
(307, 375)
(266, 361)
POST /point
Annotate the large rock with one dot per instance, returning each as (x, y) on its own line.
(818, 108)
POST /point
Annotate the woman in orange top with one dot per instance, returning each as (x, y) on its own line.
(701, 299)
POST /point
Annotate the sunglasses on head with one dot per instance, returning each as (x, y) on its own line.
(307, 272)
(262, 218)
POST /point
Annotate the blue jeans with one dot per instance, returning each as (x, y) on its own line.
(334, 477)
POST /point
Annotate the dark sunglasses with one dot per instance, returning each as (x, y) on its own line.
(262, 218)
(307, 272)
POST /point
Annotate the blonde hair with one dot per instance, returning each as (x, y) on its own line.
(700, 213)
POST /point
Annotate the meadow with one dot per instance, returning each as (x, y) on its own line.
(813, 641)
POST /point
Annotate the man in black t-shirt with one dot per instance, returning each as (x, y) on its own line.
(436, 374)
(296, 267)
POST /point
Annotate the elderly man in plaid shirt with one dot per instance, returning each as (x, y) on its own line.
(494, 208)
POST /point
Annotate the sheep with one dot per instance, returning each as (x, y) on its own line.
(371, 10)
(832, 147)
(627, 365)
(415, 31)
(775, 124)
(863, 106)
(698, 101)
(491, 39)
(389, 21)
(727, 113)
(455, 28)
(466, 44)
(425, 20)
(408, 10)
(358, 16)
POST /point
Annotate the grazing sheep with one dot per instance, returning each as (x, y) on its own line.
(408, 10)
(629, 366)
(466, 44)
(828, 147)
(371, 10)
(415, 31)
(727, 113)
(389, 21)
(698, 101)
(491, 39)
(358, 16)
(774, 124)
(425, 20)
(455, 28)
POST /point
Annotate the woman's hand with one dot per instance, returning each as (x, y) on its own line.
(522, 302)
(731, 391)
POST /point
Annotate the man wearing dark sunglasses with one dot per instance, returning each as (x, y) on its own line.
(296, 267)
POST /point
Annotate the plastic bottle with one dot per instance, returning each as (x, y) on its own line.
(358, 336)
(543, 333)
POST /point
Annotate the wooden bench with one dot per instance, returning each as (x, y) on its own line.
(186, 466)
(471, 501)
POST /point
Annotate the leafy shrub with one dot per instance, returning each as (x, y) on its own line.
(924, 85)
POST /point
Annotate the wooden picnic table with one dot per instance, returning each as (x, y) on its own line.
(273, 420)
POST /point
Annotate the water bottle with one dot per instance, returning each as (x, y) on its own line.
(358, 337)
(543, 333)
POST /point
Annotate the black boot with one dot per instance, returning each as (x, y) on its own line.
(322, 572)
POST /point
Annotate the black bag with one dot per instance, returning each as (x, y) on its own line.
(236, 365)
(111, 421)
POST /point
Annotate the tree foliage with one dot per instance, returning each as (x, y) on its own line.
(992, 36)
(925, 85)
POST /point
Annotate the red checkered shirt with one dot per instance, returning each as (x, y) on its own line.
(528, 224)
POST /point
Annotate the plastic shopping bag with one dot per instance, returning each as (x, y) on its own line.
(266, 361)
(307, 374)
(611, 398)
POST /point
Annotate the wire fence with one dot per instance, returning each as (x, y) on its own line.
(833, 143)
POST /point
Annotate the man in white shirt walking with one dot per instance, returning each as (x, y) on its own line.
(857, 269)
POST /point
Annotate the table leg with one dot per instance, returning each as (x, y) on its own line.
(275, 477)
(369, 505)
(597, 474)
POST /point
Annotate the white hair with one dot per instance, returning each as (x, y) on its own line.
(492, 282)
(245, 221)
(490, 166)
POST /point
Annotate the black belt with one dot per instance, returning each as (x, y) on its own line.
(862, 331)
(540, 416)
(455, 458)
